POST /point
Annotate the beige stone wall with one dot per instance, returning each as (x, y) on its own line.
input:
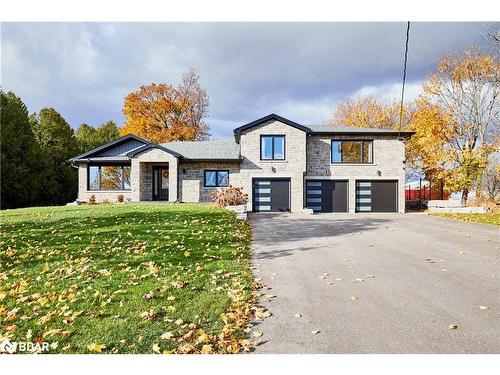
(140, 179)
(191, 179)
(100, 195)
(388, 157)
(141, 174)
(388, 164)
(293, 167)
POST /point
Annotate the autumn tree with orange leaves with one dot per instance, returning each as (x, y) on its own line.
(164, 113)
(370, 112)
(455, 120)
(467, 89)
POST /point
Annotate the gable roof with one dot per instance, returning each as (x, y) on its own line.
(272, 116)
(109, 145)
(149, 146)
(214, 149)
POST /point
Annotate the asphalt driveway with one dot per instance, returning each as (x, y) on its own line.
(379, 283)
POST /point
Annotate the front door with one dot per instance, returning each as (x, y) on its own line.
(160, 183)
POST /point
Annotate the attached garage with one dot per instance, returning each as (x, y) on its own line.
(271, 195)
(327, 195)
(377, 196)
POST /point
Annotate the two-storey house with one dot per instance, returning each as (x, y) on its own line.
(283, 166)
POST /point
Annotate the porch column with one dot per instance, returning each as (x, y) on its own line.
(173, 182)
(135, 180)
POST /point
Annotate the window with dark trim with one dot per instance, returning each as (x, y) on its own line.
(357, 152)
(215, 178)
(108, 177)
(272, 147)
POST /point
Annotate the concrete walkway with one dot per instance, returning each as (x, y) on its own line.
(379, 283)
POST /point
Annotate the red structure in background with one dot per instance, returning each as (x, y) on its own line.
(424, 190)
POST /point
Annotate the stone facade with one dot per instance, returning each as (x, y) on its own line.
(191, 179)
(142, 174)
(388, 164)
(307, 156)
(100, 195)
(293, 167)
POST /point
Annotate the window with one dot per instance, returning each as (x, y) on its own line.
(216, 178)
(352, 151)
(109, 177)
(272, 147)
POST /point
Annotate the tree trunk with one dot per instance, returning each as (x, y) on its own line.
(465, 194)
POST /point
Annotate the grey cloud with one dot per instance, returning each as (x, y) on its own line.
(249, 69)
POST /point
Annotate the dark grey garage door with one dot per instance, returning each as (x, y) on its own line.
(326, 195)
(376, 196)
(271, 195)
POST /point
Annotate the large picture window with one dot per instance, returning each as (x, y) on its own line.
(216, 178)
(108, 177)
(352, 151)
(272, 147)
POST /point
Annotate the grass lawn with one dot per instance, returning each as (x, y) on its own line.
(489, 218)
(126, 278)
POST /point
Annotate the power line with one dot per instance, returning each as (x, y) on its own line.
(404, 76)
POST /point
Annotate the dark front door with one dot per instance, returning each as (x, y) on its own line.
(160, 183)
(326, 195)
(376, 196)
(271, 195)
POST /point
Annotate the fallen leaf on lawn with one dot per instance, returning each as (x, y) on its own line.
(314, 332)
(148, 296)
(96, 347)
(170, 298)
(206, 349)
(167, 336)
(484, 307)
(156, 348)
(452, 326)
(179, 322)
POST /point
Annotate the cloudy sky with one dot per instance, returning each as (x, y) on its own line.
(297, 70)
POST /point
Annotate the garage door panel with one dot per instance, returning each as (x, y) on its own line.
(376, 196)
(326, 196)
(271, 195)
(384, 196)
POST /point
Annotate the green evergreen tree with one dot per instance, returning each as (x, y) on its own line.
(58, 143)
(20, 154)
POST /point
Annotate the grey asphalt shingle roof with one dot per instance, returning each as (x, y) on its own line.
(219, 149)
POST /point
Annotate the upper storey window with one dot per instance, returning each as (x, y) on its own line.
(360, 152)
(272, 147)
